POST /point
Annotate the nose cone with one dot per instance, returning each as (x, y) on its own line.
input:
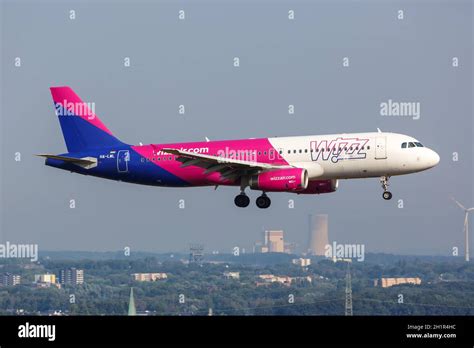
(432, 159)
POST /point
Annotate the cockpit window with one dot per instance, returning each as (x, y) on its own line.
(419, 144)
(410, 144)
(404, 145)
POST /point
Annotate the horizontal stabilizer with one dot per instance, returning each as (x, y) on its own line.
(85, 162)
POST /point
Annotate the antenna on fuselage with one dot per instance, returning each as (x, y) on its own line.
(207, 139)
(378, 130)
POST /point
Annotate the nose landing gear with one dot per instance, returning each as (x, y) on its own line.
(387, 195)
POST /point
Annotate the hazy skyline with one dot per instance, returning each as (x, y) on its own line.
(190, 62)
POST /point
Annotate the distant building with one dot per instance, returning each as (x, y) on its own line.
(285, 280)
(274, 241)
(196, 253)
(9, 279)
(260, 248)
(318, 234)
(148, 277)
(45, 278)
(301, 262)
(388, 282)
(270, 278)
(71, 276)
(232, 275)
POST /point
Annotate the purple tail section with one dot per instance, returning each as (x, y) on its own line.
(81, 127)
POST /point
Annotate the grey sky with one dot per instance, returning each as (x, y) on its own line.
(190, 62)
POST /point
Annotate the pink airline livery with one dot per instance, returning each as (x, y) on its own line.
(301, 164)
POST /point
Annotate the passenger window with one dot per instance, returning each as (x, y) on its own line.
(289, 151)
(368, 147)
(305, 150)
(294, 151)
(404, 145)
(300, 150)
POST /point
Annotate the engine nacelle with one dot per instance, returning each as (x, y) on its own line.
(321, 186)
(280, 180)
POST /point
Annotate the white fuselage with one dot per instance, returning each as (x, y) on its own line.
(356, 155)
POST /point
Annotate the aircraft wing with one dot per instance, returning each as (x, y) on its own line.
(228, 167)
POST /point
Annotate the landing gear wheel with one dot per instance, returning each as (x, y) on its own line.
(386, 194)
(242, 200)
(263, 202)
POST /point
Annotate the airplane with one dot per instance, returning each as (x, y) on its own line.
(299, 164)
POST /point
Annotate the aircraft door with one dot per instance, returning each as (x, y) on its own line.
(123, 157)
(380, 147)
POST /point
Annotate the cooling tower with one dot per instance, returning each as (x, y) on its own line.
(318, 234)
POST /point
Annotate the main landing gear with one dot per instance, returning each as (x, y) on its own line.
(387, 195)
(242, 201)
(263, 202)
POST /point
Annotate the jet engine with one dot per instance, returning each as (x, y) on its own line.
(280, 180)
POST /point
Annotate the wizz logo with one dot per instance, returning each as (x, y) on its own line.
(339, 149)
